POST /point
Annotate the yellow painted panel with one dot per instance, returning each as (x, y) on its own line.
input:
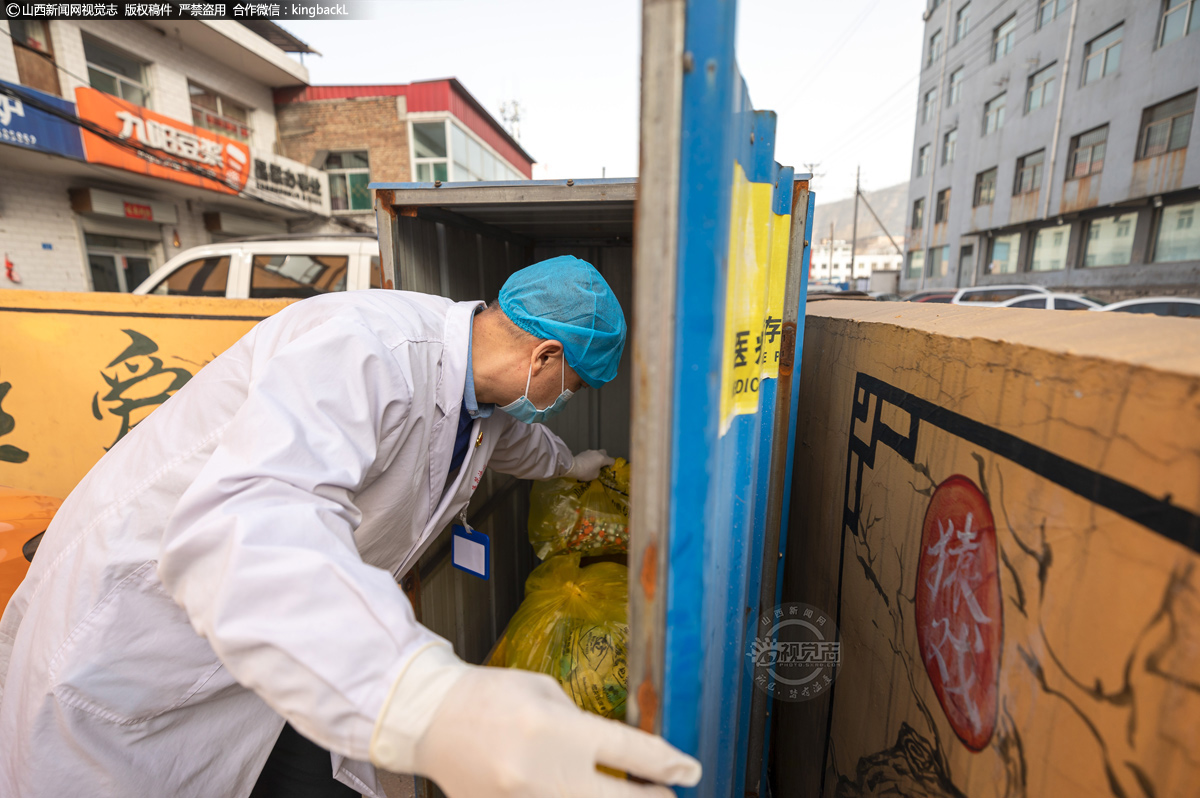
(78, 370)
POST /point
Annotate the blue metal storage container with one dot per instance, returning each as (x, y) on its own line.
(710, 263)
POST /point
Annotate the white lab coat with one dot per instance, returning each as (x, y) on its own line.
(233, 560)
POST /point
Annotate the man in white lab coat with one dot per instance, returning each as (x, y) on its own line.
(232, 562)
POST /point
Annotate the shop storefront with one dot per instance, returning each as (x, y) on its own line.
(100, 207)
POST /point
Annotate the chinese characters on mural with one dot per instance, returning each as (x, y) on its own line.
(138, 383)
(958, 608)
(8, 452)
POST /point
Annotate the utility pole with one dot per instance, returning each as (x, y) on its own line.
(854, 229)
(831, 250)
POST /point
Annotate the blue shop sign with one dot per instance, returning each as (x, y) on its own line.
(23, 125)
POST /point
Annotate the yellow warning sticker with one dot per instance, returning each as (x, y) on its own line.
(772, 326)
(745, 296)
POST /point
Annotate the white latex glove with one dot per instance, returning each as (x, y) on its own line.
(587, 465)
(505, 733)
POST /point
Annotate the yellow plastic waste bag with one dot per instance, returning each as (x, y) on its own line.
(591, 518)
(573, 625)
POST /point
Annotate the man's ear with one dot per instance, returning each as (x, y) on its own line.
(545, 353)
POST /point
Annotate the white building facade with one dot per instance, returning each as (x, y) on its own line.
(178, 147)
(832, 264)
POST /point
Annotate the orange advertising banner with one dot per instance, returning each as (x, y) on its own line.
(227, 160)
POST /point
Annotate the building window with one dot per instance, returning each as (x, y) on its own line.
(430, 159)
(985, 187)
(1086, 155)
(1109, 241)
(1029, 173)
(962, 23)
(935, 48)
(473, 161)
(1003, 257)
(1048, 11)
(1102, 55)
(949, 142)
(918, 214)
(938, 261)
(349, 174)
(114, 73)
(942, 209)
(1003, 37)
(1050, 248)
(929, 104)
(1178, 236)
(955, 89)
(1179, 18)
(966, 259)
(34, 52)
(916, 264)
(1167, 126)
(993, 114)
(219, 114)
(923, 161)
(1040, 89)
(118, 264)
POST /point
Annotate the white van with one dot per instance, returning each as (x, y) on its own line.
(289, 267)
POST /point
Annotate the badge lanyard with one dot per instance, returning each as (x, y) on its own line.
(472, 549)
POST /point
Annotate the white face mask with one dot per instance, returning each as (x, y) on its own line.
(524, 410)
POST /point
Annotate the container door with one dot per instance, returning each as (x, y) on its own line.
(718, 305)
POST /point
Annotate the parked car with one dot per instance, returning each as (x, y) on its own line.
(990, 296)
(24, 516)
(1158, 305)
(1053, 301)
(291, 267)
(931, 296)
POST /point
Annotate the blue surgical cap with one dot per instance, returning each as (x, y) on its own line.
(565, 299)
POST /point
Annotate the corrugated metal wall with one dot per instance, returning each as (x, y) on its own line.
(464, 264)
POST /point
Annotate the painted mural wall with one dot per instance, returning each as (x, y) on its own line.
(1000, 508)
(79, 370)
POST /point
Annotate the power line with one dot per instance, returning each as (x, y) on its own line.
(827, 60)
(157, 157)
(979, 50)
(154, 156)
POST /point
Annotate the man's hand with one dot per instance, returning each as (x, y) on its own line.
(587, 465)
(504, 733)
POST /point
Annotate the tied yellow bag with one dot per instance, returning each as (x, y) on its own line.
(573, 625)
(591, 518)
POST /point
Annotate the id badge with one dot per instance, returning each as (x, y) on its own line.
(472, 551)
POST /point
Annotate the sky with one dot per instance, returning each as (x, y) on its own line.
(842, 76)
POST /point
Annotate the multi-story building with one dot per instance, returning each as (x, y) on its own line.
(1052, 145)
(122, 143)
(424, 132)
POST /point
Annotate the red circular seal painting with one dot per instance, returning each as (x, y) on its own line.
(959, 623)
